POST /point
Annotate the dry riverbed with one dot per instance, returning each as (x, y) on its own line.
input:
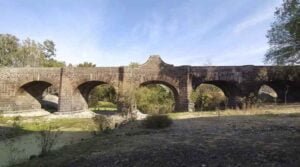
(241, 140)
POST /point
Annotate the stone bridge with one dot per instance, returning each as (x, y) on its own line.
(22, 88)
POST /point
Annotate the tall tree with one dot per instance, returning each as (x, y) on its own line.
(48, 49)
(9, 46)
(27, 53)
(284, 35)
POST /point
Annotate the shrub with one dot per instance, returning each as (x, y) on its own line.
(155, 99)
(157, 121)
(48, 135)
(208, 97)
(103, 124)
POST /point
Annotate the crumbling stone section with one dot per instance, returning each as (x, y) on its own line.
(23, 88)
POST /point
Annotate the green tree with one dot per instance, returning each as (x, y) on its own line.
(103, 92)
(134, 65)
(9, 45)
(155, 99)
(30, 54)
(48, 49)
(86, 64)
(208, 97)
(284, 35)
(27, 53)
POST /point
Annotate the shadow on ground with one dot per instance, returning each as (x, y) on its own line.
(265, 140)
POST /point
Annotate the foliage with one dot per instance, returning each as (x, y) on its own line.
(252, 101)
(9, 47)
(155, 99)
(100, 94)
(157, 121)
(53, 63)
(208, 97)
(103, 124)
(86, 64)
(27, 53)
(284, 35)
(134, 65)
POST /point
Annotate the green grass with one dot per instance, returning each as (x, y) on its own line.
(23, 126)
(80, 124)
(104, 106)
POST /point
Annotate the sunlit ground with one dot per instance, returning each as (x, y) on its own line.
(268, 136)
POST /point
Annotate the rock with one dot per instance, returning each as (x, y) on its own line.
(139, 115)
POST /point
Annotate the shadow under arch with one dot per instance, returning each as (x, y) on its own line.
(31, 96)
(170, 86)
(229, 88)
(214, 97)
(82, 92)
(287, 91)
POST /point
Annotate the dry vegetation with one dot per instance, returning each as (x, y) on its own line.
(236, 138)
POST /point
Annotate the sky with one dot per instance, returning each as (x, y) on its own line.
(117, 32)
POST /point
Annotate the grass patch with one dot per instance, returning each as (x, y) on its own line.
(17, 126)
(104, 106)
(80, 124)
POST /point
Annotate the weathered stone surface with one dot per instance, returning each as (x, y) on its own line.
(23, 88)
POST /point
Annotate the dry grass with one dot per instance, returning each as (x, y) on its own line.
(237, 138)
(292, 110)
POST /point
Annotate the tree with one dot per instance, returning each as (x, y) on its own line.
(48, 49)
(134, 65)
(284, 35)
(103, 92)
(155, 99)
(9, 46)
(27, 53)
(86, 64)
(30, 54)
(208, 97)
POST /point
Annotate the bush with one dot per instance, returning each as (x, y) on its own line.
(157, 121)
(103, 124)
(208, 98)
(155, 99)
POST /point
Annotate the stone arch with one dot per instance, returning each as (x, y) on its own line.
(287, 91)
(231, 90)
(29, 95)
(267, 94)
(219, 93)
(175, 91)
(82, 91)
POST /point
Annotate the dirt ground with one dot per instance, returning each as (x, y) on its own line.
(268, 140)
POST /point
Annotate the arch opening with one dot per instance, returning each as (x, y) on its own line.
(157, 97)
(97, 96)
(37, 95)
(266, 94)
(209, 97)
